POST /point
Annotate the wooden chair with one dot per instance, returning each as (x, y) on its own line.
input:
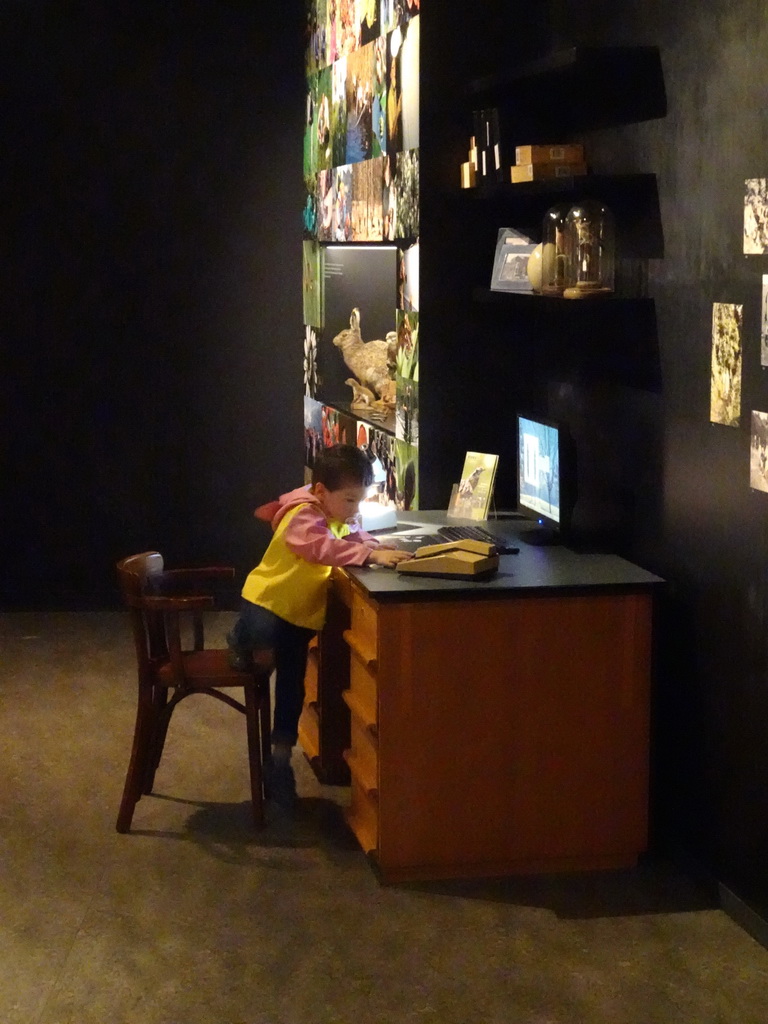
(163, 606)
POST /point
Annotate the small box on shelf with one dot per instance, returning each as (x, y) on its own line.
(570, 153)
(542, 172)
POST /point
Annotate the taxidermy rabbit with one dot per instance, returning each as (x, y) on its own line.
(369, 361)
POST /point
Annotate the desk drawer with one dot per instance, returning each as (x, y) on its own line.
(365, 625)
(364, 751)
(364, 692)
(363, 817)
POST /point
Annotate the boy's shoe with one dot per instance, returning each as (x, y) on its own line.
(280, 784)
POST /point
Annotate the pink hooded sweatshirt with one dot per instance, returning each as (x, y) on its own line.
(313, 537)
(291, 579)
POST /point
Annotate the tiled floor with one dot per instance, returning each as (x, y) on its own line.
(196, 919)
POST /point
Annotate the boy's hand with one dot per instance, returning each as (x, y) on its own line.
(387, 556)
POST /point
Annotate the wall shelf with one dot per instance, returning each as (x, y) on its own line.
(593, 86)
(386, 425)
(632, 198)
(610, 339)
(557, 304)
(598, 185)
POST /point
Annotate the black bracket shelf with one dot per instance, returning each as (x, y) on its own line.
(633, 199)
(556, 303)
(577, 89)
(386, 426)
(620, 345)
(599, 186)
(401, 242)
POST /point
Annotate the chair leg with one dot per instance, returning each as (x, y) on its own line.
(265, 716)
(162, 718)
(138, 764)
(253, 729)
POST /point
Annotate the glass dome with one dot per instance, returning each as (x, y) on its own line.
(589, 250)
(553, 253)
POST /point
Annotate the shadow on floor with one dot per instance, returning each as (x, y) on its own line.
(226, 830)
(653, 887)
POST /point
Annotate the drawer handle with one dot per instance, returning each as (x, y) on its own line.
(361, 712)
(371, 790)
(353, 643)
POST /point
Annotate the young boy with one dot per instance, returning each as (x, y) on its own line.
(284, 597)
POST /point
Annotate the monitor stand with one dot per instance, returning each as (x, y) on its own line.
(541, 535)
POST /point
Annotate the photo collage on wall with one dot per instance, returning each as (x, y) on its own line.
(361, 172)
(361, 139)
(727, 340)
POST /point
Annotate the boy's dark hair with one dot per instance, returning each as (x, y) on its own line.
(342, 465)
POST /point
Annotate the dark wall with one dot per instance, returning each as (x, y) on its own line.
(151, 381)
(683, 483)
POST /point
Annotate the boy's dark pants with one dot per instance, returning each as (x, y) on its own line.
(256, 629)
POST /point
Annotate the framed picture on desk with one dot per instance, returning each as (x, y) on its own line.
(471, 497)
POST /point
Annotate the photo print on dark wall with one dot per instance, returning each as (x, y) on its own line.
(756, 216)
(337, 427)
(758, 452)
(313, 430)
(407, 413)
(379, 115)
(725, 382)
(407, 476)
(310, 131)
(408, 278)
(325, 198)
(407, 377)
(406, 192)
(310, 361)
(370, 23)
(367, 208)
(379, 446)
(409, 82)
(764, 323)
(313, 283)
(339, 112)
(394, 96)
(323, 121)
(342, 200)
(361, 69)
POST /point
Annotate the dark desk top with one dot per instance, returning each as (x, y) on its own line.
(534, 569)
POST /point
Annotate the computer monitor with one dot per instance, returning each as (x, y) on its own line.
(544, 478)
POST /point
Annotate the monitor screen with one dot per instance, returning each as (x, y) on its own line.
(539, 469)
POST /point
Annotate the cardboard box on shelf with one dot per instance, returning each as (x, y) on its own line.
(570, 153)
(540, 172)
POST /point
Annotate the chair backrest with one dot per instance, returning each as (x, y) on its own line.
(148, 626)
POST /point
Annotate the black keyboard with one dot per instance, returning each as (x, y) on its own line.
(504, 545)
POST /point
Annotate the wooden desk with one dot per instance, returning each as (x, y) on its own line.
(488, 728)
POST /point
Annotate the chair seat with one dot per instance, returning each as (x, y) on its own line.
(205, 668)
